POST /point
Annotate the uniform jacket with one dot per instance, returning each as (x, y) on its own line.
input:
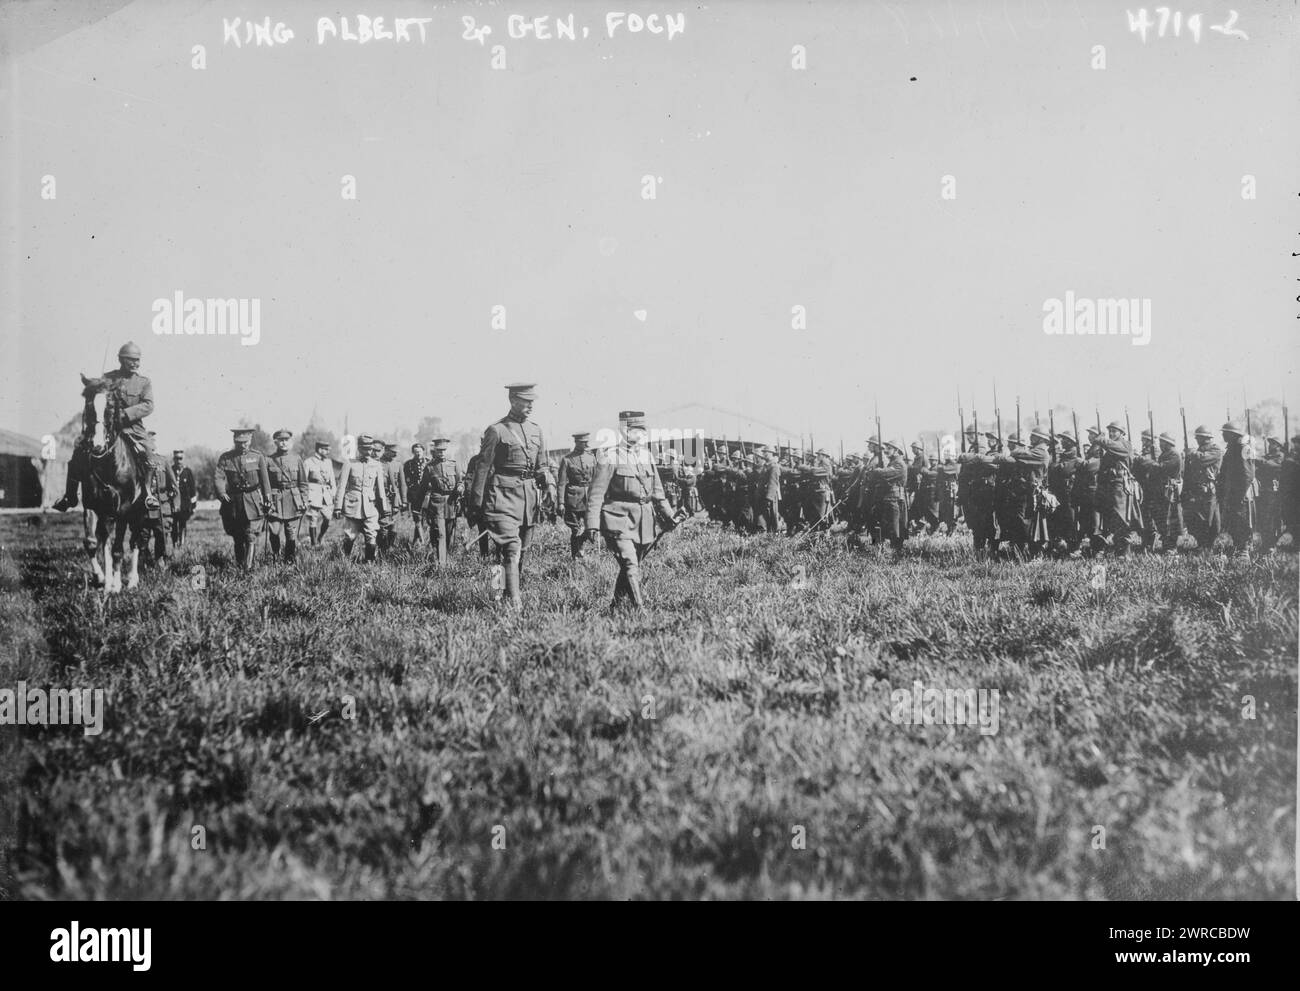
(1201, 473)
(1060, 476)
(162, 483)
(573, 478)
(512, 463)
(768, 487)
(187, 491)
(889, 483)
(320, 482)
(362, 494)
(1236, 476)
(394, 484)
(625, 494)
(441, 484)
(413, 473)
(243, 479)
(129, 400)
(288, 477)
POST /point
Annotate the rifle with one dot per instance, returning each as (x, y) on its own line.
(1151, 425)
(1051, 429)
(975, 422)
(961, 420)
(1018, 437)
(997, 412)
(1097, 410)
(1286, 427)
(880, 441)
(1128, 425)
(1246, 403)
(1183, 413)
(1074, 418)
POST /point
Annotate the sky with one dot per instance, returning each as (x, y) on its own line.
(775, 187)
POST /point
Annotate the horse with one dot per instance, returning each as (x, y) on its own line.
(114, 491)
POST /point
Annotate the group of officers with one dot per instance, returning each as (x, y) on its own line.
(1038, 494)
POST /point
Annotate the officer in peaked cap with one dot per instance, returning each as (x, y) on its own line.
(161, 491)
(321, 485)
(572, 479)
(187, 497)
(243, 485)
(442, 484)
(395, 487)
(288, 478)
(505, 491)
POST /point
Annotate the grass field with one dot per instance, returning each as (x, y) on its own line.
(340, 731)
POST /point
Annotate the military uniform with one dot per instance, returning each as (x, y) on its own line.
(1062, 525)
(243, 485)
(1200, 489)
(818, 498)
(319, 469)
(978, 478)
(1161, 476)
(688, 485)
(923, 515)
(886, 490)
(395, 490)
(155, 521)
(946, 483)
(1268, 474)
(288, 498)
(1237, 488)
(413, 475)
(1117, 491)
(362, 498)
(187, 498)
(505, 489)
(128, 400)
(767, 494)
(442, 485)
(1087, 513)
(1022, 517)
(627, 504)
(572, 480)
(474, 521)
(1288, 493)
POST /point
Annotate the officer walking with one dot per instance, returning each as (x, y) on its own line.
(288, 478)
(160, 484)
(572, 479)
(395, 489)
(627, 505)
(362, 498)
(504, 493)
(413, 475)
(187, 498)
(243, 485)
(320, 492)
(442, 485)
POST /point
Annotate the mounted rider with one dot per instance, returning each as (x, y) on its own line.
(129, 400)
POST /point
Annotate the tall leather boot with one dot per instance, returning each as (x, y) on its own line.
(372, 553)
(274, 538)
(512, 595)
(290, 549)
(634, 590)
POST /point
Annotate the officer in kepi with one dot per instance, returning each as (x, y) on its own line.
(362, 498)
(244, 488)
(627, 505)
(505, 494)
(129, 401)
(288, 496)
(575, 472)
(320, 491)
(442, 485)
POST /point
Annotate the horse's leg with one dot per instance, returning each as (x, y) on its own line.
(95, 549)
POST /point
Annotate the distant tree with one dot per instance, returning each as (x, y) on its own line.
(305, 443)
(203, 462)
(429, 428)
(464, 445)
